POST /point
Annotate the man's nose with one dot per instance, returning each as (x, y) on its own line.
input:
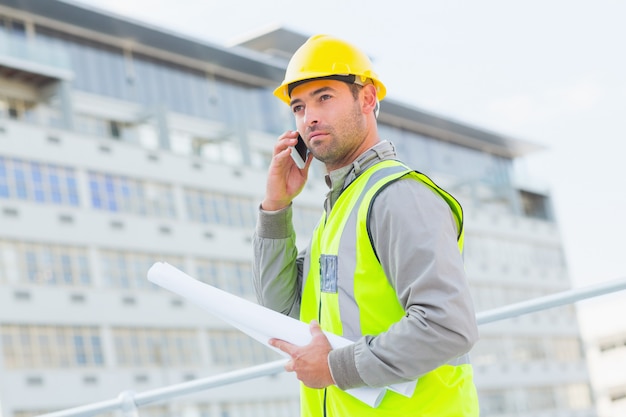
(310, 117)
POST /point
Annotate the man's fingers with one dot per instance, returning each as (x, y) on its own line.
(315, 327)
(282, 345)
(316, 330)
(289, 366)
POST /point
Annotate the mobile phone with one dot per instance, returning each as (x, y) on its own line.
(299, 153)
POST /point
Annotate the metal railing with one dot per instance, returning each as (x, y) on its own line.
(128, 401)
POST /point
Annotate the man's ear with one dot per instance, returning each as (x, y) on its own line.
(370, 102)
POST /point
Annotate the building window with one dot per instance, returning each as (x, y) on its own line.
(219, 208)
(578, 396)
(527, 349)
(232, 347)
(127, 270)
(31, 413)
(494, 402)
(535, 205)
(268, 408)
(305, 219)
(618, 394)
(230, 276)
(540, 398)
(488, 351)
(126, 195)
(566, 349)
(37, 263)
(105, 128)
(39, 182)
(32, 346)
(617, 342)
(140, 347)
(97, 68)
(155, 411)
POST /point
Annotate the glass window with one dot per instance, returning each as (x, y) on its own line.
(137, 347)
(566, 349)
(43, 183)
(262, 408)
(494, 402)
(98, 68)
(32, 346)
(527, 349)
(231, 276)
(267, 114)
(232, 347)
(305, 219)
(219, 208)
(465, 168)
(115, 193)
(124, 269)
(540, 398)
(79, 349)
(48, 263)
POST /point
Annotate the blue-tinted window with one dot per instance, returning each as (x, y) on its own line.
(20, 190)
(18, 171)
(66, 269)
(39, 195)
(83, 270)
(96, 346)
(33, 181)
(433, 157)
(98, 68)
(79, 349)
(31, 266)
(36, 172)
(113, 193)
(55, 195)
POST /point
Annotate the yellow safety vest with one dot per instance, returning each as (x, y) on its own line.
(368, 304)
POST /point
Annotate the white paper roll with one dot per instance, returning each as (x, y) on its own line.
(257, 321)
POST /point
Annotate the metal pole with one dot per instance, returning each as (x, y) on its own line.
(87, 410)
(549, 301)
(128, 401)
(161, 394)
(131, 400)
(128, 404)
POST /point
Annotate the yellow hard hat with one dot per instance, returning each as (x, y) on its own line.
(323, 56)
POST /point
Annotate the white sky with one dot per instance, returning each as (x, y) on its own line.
(550, 72)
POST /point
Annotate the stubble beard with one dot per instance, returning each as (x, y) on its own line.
(339, 150)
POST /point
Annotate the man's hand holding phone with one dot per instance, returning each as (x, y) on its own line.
(286, 176)
(300, 153)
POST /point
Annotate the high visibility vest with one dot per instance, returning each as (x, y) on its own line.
(350, 295)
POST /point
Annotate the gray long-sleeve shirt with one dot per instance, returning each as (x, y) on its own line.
(414, 234)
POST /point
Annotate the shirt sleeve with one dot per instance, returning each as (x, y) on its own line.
(414, 235)
(277, 267)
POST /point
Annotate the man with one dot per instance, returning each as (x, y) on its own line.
(383, 267)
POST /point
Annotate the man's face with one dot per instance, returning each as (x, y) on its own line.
(330, 121)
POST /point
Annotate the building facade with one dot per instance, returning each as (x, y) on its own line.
(122, 144)
(605, 345)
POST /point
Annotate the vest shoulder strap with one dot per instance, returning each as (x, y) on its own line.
(454, 205)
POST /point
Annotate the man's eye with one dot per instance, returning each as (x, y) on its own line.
(297, 108)
(324, 97)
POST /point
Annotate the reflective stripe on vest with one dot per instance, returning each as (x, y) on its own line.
(351, 296)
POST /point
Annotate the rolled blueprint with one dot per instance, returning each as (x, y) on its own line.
(257, 321)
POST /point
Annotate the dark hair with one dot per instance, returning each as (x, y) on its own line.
(355, 89)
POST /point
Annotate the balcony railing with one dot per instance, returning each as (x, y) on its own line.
(128, 402)
(28, 55)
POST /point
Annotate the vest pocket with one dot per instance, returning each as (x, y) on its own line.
(328, 273)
